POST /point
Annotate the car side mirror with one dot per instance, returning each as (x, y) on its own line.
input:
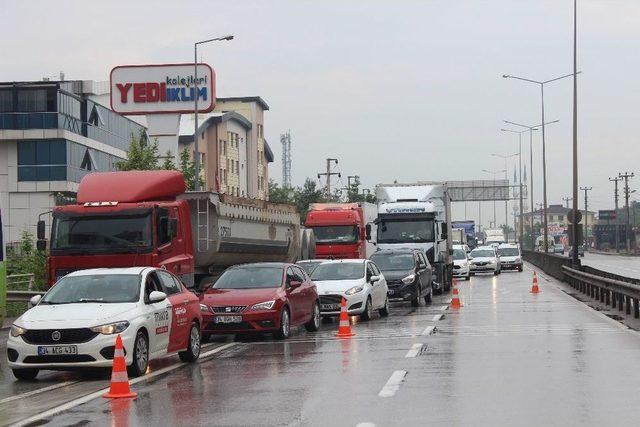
(374, 279)
(295, 284)
(157, 296)
(422, 266)
(368, 231)
(40, 230)
(34, 300)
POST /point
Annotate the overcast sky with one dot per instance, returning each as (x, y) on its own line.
(406, 90)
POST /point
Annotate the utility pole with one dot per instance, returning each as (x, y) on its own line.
(615, 198)
(328, 174)
(566, 201)
(586, 216)
(626, 177)
(576, 259)
(356, 182)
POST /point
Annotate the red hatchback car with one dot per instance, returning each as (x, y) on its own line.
(261, 297)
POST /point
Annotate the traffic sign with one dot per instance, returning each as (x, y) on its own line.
(571, 219)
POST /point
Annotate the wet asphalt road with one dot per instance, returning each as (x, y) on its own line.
(628, 266)
(507, 357)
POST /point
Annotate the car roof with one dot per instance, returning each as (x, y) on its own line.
(119, 270)
(263, 264)
(459, 246)
(508, 245)
(303, 261)
(491, 248)
(345, 261)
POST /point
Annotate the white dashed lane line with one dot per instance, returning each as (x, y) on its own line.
(415, 350)
(428, 330)
(437, 317)
(393, 384)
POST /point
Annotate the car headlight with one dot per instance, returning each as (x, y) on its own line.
(409, 279)
(111, 328)
(204, 308)
(16, 331)
(267, 305)
(518, 260)
(354, 290)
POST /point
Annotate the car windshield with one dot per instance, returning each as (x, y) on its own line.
(309, 266)
(336, 234)
(250, 278)
(405, 231)
(128, 233)
(459, 254)
(387, 262)
(508, 252)
(482, 253)
(338, 271)
(103, 288)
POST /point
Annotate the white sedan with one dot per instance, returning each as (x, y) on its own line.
(485, 258)
(74, 325)
(358, 281)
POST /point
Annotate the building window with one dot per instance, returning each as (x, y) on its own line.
(6, 100)
(237, 167)
(44, 160)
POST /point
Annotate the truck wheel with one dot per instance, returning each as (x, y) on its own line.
(192, 352)
(314, 323)
(285, 326)
(25, 374)
(140, 356)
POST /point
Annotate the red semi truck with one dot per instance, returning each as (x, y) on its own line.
(340, 229)
(145, 218)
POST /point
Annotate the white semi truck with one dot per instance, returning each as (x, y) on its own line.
(418, 216)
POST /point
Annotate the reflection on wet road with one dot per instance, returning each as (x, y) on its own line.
(507, 357)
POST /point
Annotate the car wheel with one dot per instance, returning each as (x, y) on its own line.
(192, 352)
(496, 272)
(520, 269)
(384, 311)
(415, 301)
(429, 297)
(25, 374)
(314, 324)
(472, 274)
(367, 314)
(140, 356)
(468, 276)
(285, 325)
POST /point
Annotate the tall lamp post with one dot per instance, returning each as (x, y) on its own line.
(494, 173)
(506, 202)
(544, 159)
(196, 152)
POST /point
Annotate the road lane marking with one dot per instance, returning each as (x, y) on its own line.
(415, 350)
(444, 307)
(437, 317)
(428, 330)
(38, 391)
(393, 384)
(365, 425)
(99, 393)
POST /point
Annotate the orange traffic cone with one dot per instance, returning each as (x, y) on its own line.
(119, 379)
(534, 286)
(455, 301)
(344, 330)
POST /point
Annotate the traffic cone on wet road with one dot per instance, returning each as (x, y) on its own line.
(455, 301)
(119, 379)
(534, 286)
(344, 329)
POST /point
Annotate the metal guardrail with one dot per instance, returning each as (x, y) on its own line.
(621, 293)
(551, 264)
(21, 296)
(21, 281)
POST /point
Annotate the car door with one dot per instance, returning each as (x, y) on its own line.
(375, 289)
(421, 271)
(158, 315)
(308, 294)
(295, 296)
(179, 301)
(381, 285)
(427, 274)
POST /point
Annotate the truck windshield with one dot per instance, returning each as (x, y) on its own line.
(336, 234)
(101, 233)
(101, 288)
(405, 231)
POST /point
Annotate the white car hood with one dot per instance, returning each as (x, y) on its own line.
(336, 286)
(460, 262)
(508, 258)
(483, 259)
(90, 314)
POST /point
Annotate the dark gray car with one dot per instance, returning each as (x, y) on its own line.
(408, 274)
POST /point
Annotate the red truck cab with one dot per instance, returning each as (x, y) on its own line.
(339, 229)
(123, 219)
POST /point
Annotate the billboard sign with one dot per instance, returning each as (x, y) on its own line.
(606, 215)
(162, 89)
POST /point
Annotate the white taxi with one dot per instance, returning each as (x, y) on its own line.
(74, 325)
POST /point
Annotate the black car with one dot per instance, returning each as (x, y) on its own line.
(408, 274)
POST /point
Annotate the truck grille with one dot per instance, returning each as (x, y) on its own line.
(330, 299)
(229, 309)
(67, 336)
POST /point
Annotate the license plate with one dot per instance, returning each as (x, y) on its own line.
(330, 306)
(391, 291)
(57, 350)
(227, 319)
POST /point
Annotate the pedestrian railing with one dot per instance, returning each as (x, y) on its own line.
(623, 294)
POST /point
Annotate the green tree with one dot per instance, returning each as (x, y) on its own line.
(168, 163)
(279, 194)
(188, 169)
(142, 155)
(306, 195)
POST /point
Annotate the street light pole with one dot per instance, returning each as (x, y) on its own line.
(196, 152)
(544, 157)
(576, 260)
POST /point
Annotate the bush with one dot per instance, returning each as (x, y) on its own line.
(26, 259)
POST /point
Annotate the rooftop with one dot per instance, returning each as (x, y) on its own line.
(256, 99)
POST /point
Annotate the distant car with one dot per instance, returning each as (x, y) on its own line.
(309, 265)
(485, 259)
(261, 297)
(74, 325)
(358, 281)
(510, 257)
(558, 249)
(408, 273)
(461, 264)
(580, 251)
